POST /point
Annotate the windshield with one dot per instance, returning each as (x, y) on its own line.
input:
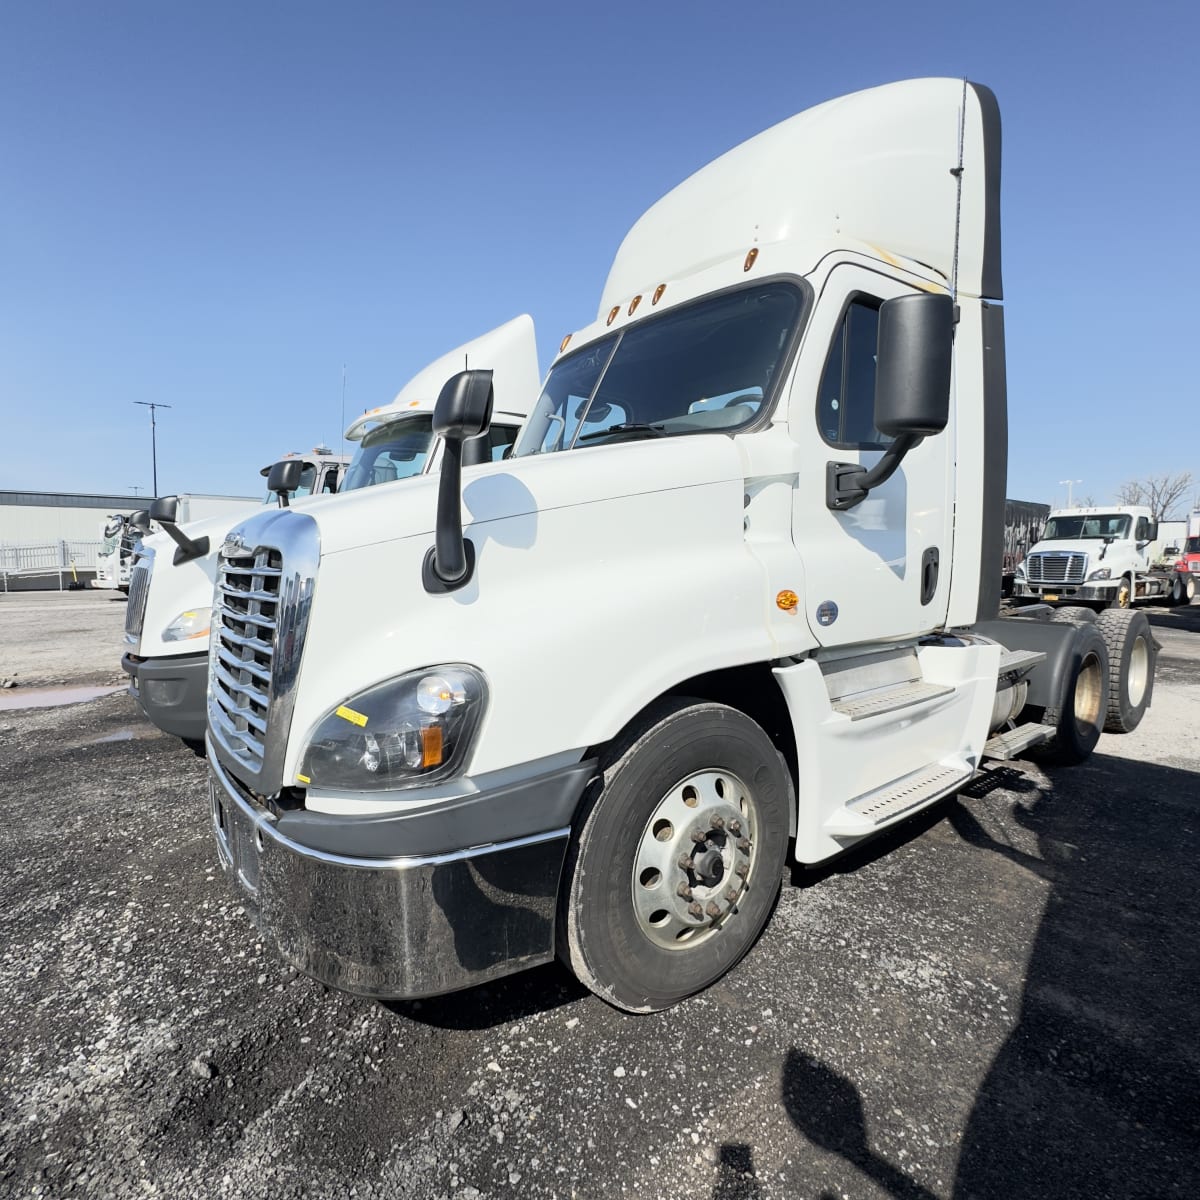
(394, 450)
(1192, 546)
(1102, 525)
(704, 368)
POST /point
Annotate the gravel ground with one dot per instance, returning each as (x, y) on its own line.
(996, 1000)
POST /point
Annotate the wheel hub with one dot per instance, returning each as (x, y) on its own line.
(695, 859)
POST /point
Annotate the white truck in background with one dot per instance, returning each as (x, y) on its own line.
(736, 586)
(1101, 558)
(123, 534)
(167, 623)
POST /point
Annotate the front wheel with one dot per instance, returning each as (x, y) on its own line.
(677, 857)
(1124, 596)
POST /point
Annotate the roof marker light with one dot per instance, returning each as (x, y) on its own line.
(658, 293)
(634, 303)
(612, 316)
(750, 259)
(564, 343)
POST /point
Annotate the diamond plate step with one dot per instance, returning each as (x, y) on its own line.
(886, 804)
(1010, 743)
(1020, 660)
(889, 699)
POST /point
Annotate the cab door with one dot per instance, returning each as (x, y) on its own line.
(879, 570)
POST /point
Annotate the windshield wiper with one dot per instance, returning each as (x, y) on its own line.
(623, 427)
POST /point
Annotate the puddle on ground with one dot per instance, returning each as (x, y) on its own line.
(122, 735)
(51, 697)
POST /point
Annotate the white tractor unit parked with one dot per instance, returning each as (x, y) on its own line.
(170, 603)
(736, 586)
(1101, 558)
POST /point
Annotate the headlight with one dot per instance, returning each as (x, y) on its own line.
(412, 730)
(1102, 573)
(193, 623)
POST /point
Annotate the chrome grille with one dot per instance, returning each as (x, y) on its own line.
(248, 602)
(139, 590)
(1055, 567)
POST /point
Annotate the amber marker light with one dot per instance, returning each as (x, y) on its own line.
(612, 316)
(787, 600)
(634, 303)
(564, 343)
(431, 745)
(658, 293)
(750, 259)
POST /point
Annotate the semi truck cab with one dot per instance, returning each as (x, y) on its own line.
(735, 589)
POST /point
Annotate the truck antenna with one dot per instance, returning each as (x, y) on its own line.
(957, 172)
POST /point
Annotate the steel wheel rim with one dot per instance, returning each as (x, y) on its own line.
(1139, 672)
(1123, 596)
(1087, 694)
(695, 859)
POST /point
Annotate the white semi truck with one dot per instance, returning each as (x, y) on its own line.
(167, 624)
(1101, 558)
(736, 587)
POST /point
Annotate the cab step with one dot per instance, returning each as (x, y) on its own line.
(868, 812)
(889, 699)
(1019, 661)
(1012, 742)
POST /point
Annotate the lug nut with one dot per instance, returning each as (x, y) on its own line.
(735, 827)
(731, 894)
(718, 822)
(695, 910)
(712, 910)
(742, 869)
(684, 891)
(744, 845)
(686, 863)
(698, 836)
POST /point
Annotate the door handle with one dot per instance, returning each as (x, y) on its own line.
(929, 574)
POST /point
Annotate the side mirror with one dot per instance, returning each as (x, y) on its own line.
(140, 520)
(912, 375)
(164, 510)
(284, 477)
(1152, 532)
(912, 390)
(463, 411)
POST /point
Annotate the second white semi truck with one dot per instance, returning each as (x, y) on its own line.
(171, 597)
(735, 590)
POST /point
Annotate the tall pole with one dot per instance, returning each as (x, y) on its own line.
(152, 405)
(1070, 483)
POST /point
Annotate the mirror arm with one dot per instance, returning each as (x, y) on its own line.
(847, 484)
(188, 549)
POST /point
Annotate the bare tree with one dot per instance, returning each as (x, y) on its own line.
(1088, 501)
(1161, 493)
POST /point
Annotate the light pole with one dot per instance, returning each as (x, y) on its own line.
(152, 405)
(1070, 483)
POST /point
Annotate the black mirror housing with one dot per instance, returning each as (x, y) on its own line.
(912, 379)
(140, 519)
(164, 510)
(1152, 532)
(464, 406)
(284, 477)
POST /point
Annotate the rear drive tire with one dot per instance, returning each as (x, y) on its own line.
(1072, 614)
(1082, 709)
(677, 857)
(1132, 651)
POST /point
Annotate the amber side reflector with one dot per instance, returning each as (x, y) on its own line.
(750, 259)
(431, 745)
(612, 316)
(634, 303)
(787, 600)
(658, 293)
(564, 343)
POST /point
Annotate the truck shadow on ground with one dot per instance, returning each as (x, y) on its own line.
(1094, 1092)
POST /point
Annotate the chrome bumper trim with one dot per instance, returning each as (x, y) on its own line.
(394, 927)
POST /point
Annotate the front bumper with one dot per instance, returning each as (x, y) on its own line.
(1093, 593)
(398, 927)
(171, 691)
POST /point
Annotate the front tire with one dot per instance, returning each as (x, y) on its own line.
(677, 857)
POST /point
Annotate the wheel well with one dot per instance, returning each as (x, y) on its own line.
(752, 690)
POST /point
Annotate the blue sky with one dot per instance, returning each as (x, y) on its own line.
(217, 205)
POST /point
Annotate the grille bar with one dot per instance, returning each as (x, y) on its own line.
(139, 591)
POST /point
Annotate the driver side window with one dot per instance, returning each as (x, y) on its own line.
(846, 397)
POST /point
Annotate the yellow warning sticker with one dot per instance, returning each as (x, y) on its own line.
(348, 714)
(302, 778)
